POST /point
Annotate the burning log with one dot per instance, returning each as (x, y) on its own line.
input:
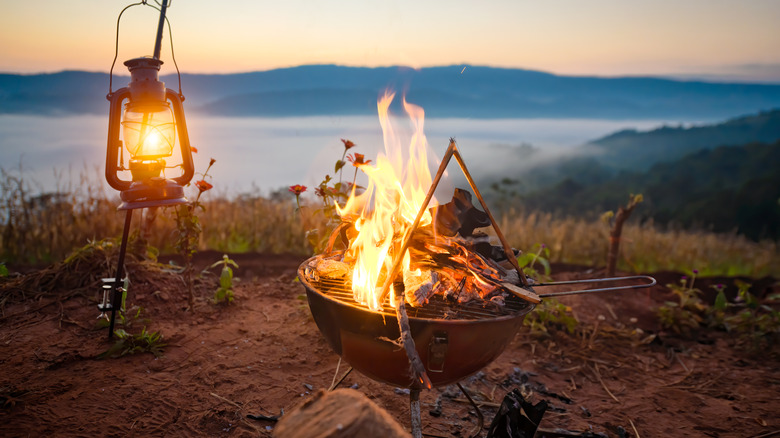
(448, 258)
(329, 268)
(419, 288)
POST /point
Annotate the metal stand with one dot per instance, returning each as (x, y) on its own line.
(118, 289)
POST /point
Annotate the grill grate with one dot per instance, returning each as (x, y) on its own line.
(437, 307)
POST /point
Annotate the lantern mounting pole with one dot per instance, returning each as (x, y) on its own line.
(160, 26)
(118, 289)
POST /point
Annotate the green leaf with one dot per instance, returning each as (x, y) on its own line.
(3, 270)
(546, 265)
(720, 301)
(226, 279)
(525, 258)
(339, 165)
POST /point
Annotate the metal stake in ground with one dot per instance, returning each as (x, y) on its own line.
(118, 290)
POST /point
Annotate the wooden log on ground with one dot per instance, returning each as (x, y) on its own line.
(343, 413)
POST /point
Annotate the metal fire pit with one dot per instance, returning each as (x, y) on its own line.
(453, 340)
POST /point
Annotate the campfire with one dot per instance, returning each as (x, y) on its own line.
(398, 247)
(389, 224)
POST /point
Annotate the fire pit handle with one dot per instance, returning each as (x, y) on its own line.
(650, 282)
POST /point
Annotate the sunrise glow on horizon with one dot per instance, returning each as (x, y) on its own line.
(607, 37)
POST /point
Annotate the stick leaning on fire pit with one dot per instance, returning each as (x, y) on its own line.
(403, 319)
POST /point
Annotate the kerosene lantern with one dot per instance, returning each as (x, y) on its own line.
(146, 120)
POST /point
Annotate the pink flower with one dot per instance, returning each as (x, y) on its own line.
(357, 160)
(203, 185)
(297, 189)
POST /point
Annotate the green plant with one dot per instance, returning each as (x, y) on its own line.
(551, 314)
(188, 231)
(527, 261)
(685, 315)
(3, 270)
(331, 194)
(717, 313)
(225, 290)
(125, 317)
(757, 324)
(126, 343)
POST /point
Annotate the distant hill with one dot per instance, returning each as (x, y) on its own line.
(725, 189)
(66, 92)
(724, 176)
(451, 91)
(631, 149)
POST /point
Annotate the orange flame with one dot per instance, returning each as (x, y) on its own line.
(398, 184)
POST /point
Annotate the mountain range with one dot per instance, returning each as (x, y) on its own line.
(450, 91)
(721, 175)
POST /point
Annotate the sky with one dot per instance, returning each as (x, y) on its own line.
(719, 39)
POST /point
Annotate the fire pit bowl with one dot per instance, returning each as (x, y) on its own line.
(453, 340)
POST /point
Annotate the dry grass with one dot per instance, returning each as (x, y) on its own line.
(644, 247)
(47, 227)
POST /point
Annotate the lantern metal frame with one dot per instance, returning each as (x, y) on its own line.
(154, 191)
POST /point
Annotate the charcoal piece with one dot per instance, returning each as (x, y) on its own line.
(261, 417)
(459, 216)
(516, 418)
(437, 410)
(492, 252)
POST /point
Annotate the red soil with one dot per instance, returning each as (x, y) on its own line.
(263, 354)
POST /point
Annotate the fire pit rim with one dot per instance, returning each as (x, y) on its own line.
(529, 307)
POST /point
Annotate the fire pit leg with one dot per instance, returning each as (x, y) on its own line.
(414, 407)
(480, 417)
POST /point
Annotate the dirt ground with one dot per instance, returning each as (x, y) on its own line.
(263, 354)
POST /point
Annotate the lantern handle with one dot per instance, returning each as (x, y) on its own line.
(157, 42)
(116, 47)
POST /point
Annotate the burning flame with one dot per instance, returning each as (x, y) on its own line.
(397, 187)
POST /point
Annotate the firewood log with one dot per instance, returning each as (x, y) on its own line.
(343, 413)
